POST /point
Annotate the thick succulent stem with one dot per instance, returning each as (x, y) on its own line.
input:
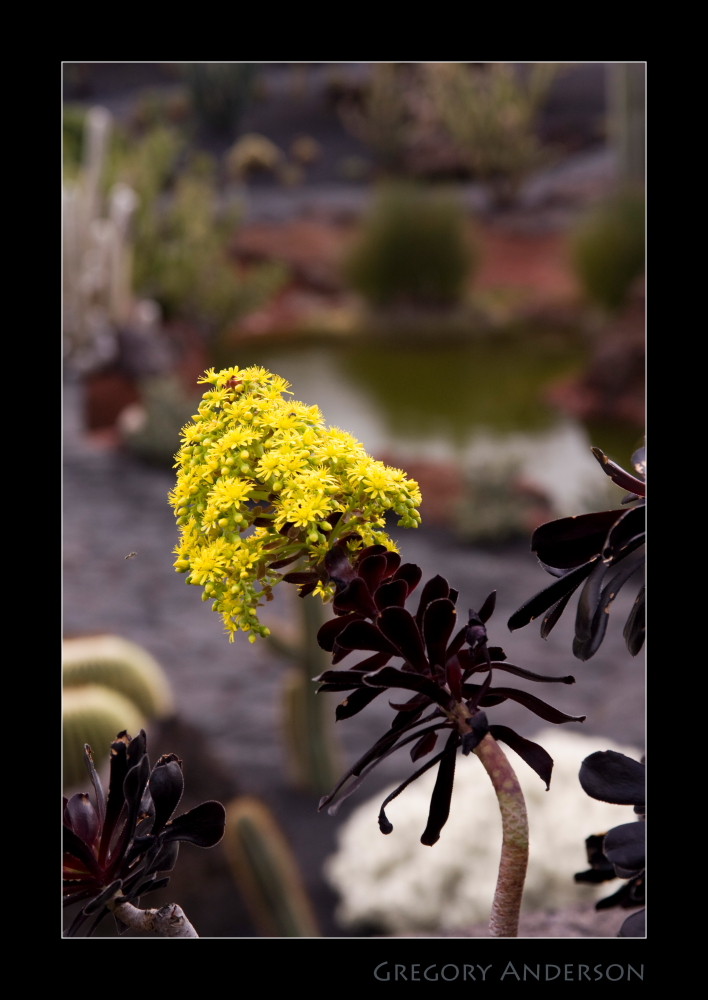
(504, 920)
(168, 921)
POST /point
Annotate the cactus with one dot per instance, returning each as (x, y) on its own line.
(266, 872)
(93, 714)
(308, 728)
(607, 250)
(97, 253)
(122, 666)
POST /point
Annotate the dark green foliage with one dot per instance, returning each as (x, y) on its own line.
(220, 93)
(607, 250)
(414, 249)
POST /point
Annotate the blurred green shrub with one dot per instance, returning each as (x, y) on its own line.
(490, 112)
(220, 93)
(415, 248)
(608, 249)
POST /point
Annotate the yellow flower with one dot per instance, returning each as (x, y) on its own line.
(252, 462)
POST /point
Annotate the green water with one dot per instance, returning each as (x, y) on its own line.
(437, 393)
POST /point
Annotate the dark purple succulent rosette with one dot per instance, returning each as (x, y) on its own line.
(125, 842)
(445, 669)
(600, 552)
(620, 853)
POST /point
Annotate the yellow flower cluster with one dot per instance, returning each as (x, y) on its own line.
(259, 478)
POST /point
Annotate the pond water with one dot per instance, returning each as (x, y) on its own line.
(477, 403)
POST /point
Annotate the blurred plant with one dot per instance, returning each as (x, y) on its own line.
(266, 871)
(621, 853)
(490, 111)
(380, 115)
(608, 248)
(251, 154)
(98, 289)
(603, 551)
(181, 254)
(414, 249)
(497, 505)
(149, 428)
(220, 94)
(120, 846)
(305, 150)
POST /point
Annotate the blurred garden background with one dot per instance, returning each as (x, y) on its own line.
(448, 259)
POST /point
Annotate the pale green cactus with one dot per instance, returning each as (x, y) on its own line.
(93, 714)
(121, 665)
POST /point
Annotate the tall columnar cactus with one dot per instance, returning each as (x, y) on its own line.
(122, 666)
(266, 872)
(310, 742)
(97, 252)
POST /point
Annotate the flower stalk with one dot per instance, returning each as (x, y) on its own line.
(504, 919)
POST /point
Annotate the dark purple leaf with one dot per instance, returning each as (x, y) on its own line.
(634, 926)
(384, 824)
(329, 632)
(354, 703)
(75, 847)
(570, 541)
(372, 570)
(538, 759)
(442, 793)
(166, 785)
(487, 609)
(356, 596)
(424, 746)
(613, 777)
(391, 594)
(619, 475)
(401, 630)
(80, 816)
(624, 847)
(629, 529)
(411, 574)
(392, 677)
(202, 826)
(562, 587)
(439, 619)
(634, 629)
(550, 620)
(436, 587)
(535, 705)
(363, 635)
